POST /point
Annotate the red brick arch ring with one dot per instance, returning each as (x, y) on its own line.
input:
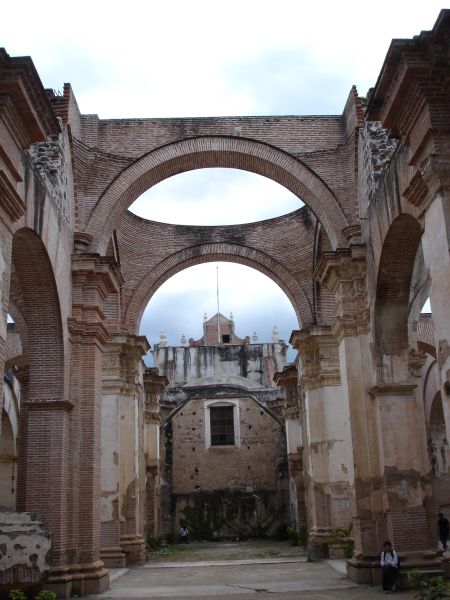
(214, 151)
(196, 255)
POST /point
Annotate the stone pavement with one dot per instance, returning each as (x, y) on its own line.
(270, 573)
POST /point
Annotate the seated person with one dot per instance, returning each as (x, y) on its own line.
(389, 564)
(183, 535)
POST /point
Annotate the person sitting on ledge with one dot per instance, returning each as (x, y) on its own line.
(389, 564)
(183, 535)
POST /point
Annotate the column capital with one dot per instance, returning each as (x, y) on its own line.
(121, 359)
(94, 277)
(318, 352)
(154, 384)
(431, 178)
(343, 273)
(287, 379)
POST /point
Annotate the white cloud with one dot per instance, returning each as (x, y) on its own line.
(215, 197)
(203, 58)
(256, 302)
(175, 58)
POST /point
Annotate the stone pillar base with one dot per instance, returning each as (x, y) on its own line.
(134, 548)
(78, 579)
(366, 568)
(317, 544)
(113, 557)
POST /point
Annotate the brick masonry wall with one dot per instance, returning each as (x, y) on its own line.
(282, 248)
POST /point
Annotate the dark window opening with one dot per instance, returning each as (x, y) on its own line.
(222, 426)
(225, 339)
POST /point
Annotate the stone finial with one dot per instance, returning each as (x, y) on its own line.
(275, 335)
(231, 316)
(183, 340)
(254, 337)
(205, 317)
(162, 339)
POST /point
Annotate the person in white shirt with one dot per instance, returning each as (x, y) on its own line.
(389, 564)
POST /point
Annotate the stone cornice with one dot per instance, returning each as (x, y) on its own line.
(88, 329)
(430, 179)
(392, 389)
(411, 97)
(286, 377)
(406, 57)
(21, 87)
(65, 405)
(101, 271)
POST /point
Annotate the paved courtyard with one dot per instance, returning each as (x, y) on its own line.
(236, 571)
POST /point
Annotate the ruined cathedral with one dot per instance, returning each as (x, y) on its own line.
(98, 451)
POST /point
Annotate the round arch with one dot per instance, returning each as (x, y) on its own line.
(394, 284)
(195, 255)
(35, 291)
(215, 151)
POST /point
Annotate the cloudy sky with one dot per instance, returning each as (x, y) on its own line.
(177, 58)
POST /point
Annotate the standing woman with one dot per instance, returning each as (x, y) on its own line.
(389, 564)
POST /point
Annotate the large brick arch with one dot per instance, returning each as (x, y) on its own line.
(37, 297)
(394, 284)
(196, 255)
(215, 151)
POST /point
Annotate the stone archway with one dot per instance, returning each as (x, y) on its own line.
(394, 284)
(45, 413)
(215, 151)
(218, 252)
(34, 282)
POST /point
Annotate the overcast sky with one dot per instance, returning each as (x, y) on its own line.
(202, 58)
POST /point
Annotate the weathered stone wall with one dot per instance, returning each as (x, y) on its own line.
(24, 550)
(250, 365)
(256, 465)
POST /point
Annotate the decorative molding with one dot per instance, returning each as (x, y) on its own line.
(21, 89)
(11, 202)
(343, 273)
(432, 178)
(66, 405)
(443, 352)
(318, 363)
(416, 360)
(393, 389)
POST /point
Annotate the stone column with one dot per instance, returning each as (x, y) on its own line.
(390, 473)
(132, 456)
(328, 464)
(122, 468)
(110, 552)
(153, 384)
(295, 435)
(94, 278)
(429, 191)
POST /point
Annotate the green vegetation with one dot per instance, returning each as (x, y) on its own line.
(159, 546)
(17, 595)
(46, 595)
(342, 538)
(244, 515)
(433, 588)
